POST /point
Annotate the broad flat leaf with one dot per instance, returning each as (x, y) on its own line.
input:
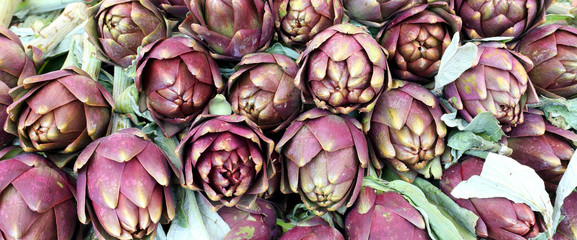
(566, 186)
(454, 62)
(504, 177)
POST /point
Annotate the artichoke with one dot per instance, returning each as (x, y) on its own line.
(124, 185)
(499, 218)
(257, 222)
(385, 214)
(553, 50)
(37, 200)
(5, 101)
(61, 111)
(567, 229)
(497, 83)
(119, 27)
(406, 130)
(231, 29)
(488, 18)
(325, 157)
(15, 65)
(343, 69)
(173, 8)
(227, 158)
(178, 78)
(314, 228)
(263, 90)
(375, 13)
(545, 148)
(298, 21)
(417, 38)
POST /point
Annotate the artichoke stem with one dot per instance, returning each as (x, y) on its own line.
(7, 9)
(42, 6)
(121, 82)
(560, 8)
(73, 15)
(90, 64)
(71, 60)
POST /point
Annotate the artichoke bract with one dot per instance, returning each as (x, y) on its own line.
(314, 228)
(61, 111)
(15, 65)
(119, 27)
(298, 21)
(553, 50)
(5, 101)
(343, 69)
(257, 222)
(124, 185)
(230, 29)
(386, 214)
(488, 18)
(178, 78)
(172, 8)
(416, 40)
(545, 148)
(497, 83)
(227, 158)
(375, 13)
(325, 157)
(37, 200)
(499, 218)
(263, 90)
(567, 229)
(406, 130)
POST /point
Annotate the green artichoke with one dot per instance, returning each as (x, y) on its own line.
(343, 69)
(325, 157)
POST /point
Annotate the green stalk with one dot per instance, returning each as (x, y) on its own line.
(42, 6)
(121, 82)
(72, 59)
(7, 9)
(90, 64)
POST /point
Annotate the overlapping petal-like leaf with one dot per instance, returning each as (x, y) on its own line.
(314, 228)
(499, 218)
(497, 83)
(325, 157)
(230, 29)
(257, 222)
(15, 65)
(553, 50)
(567, 229)
(416, 40)
(61, 111)
(385, 214)
(228, 158)
(178, 78)
(119, 27)
(263, 90)
(343, 69)
(375, 13)
(37, 200)
(172, 8)
(298, 21)
(124, 185)
(5, 101)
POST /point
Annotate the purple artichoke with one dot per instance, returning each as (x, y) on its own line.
(553, 50)
(417, 38)
(314, 228)
(488, 18)
(119, 27)
(497, 83)
(124, 185)
(298, 21)
(172, 8)
(567, 229)
(37, 200)
(227, 158)
(231, 29)
(178, 78)
(257, 222)
(385, 214)
(15, 65)
(325, 157)
(375, 13)
(540, 145)
(263, 90)
(499, 218)
(343, 69)
(61, 111)
(406, 130)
